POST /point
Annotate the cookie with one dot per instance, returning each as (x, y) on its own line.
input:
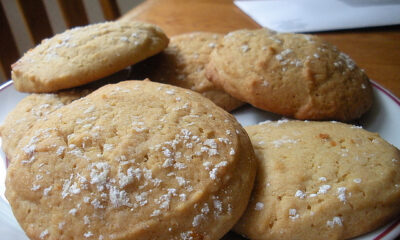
(295, 75)
(134, 160)
(33, 108)
(85, 54)
(320, 180)
(37, 106)
(182, 64)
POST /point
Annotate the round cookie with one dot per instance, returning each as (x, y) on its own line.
(183, 63)
(320, 180)
(33, 108)
(85, 54)
(134, 160)
(295, 75)
(37, 106)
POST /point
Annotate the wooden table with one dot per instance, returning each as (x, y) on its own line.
(376, 50)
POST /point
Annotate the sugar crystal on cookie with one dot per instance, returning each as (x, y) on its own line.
(335, 221)
(357, 180)
(44, 234)
(245, 48)
(329, 184)
(293, 215)
(300, 194)
(341, 191)
(259, 206)
(35, 187)
(108, 167)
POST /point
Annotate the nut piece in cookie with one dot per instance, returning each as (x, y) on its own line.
(85, 54)
(133, 160)
(320, 180)
(295, 75)
(183, 63)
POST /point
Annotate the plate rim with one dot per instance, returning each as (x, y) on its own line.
(375, 84)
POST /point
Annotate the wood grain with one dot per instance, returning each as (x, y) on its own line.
(180, 16)
(73, 12)
(377, 50)
(35, 17)
(110, 9)
(8, 49)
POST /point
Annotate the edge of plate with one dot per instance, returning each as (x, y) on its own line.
(385, 91)
(374, 84)
(394, 227)
(6, 84)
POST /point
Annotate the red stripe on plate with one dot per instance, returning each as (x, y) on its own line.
(5, 85)
(396, 100)
(388, 230)
(374, 84)
(385, 91)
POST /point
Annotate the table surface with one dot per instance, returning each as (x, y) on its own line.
(376, 50)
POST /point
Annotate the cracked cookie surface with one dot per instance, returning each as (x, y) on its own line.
(295, 75)
(320, 180)
(85, 54)
(30, 110)
(134, 160)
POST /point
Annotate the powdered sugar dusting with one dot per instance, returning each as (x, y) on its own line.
(300, 194)
(259, 206)
(293, 215)
(323, 189)
(245, 48)
(341, 191)
(44, 234)
(335, 221)
(110, 177)
(357, 180)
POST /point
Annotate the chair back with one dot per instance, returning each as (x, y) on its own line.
(35, 22)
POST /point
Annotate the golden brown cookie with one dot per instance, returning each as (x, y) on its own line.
(182, 64)
(35, 108)
(30, 110)
(85, 54)
(295, 75)
(320, 180)
(134, 160)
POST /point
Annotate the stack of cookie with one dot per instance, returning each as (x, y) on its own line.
(148, 160)
(133, 160)
(183, 64)
(294, 75)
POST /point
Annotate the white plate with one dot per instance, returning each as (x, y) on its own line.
(383, 118)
